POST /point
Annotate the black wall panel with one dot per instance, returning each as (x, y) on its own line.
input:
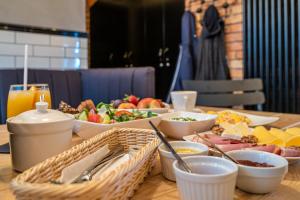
(271, 50)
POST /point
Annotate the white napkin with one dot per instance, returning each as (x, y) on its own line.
(117, 163)
(71, 172)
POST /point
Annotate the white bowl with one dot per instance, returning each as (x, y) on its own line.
(86, 130)
(214, 179)
(167, 158)
(260, 180)
(178, 129)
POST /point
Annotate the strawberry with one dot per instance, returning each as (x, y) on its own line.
(131, 99)
(94, 117)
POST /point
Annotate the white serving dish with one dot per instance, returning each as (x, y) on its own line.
(86, 130)
(215, 178)
(178, 129)
(36, 135)
(167, 158)
(260, 180)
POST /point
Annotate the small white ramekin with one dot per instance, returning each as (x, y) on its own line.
(260, 180)
(167, 159)
(214, 178)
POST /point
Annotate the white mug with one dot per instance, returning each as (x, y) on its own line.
(184, 100)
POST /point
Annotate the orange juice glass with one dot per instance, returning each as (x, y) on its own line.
(20, 100)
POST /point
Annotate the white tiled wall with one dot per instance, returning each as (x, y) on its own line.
(45, 51)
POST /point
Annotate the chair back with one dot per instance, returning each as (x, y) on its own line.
(227, 93)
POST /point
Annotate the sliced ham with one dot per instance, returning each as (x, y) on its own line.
(220, 140)
(267, 148)
(290, 152)
(231, 147)
(216, 139)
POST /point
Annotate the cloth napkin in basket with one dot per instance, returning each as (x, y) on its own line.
(120, 161)
(71, 172)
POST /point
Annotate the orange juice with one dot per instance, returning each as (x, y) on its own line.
(19, 101)
(37, 93)
(23, 100)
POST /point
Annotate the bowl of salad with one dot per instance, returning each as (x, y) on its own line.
(179, 124)
(90, 122)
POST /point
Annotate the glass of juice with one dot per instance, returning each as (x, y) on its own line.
(21, 100)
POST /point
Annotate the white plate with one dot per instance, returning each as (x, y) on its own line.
(291, 160)
(85, 129)
(257, 120)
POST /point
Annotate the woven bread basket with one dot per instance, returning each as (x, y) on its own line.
(117, 184)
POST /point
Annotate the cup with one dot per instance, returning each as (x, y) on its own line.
(213, 178)
(184, 100)
(21, 100)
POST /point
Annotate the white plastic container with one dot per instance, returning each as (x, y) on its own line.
(36, 135)
(213, 178)
(167, 158)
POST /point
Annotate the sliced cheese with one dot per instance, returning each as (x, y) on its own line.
(280, 134)
(293, 131)
(293, 141)
(235, 131)
(263, 134)
(275, 141)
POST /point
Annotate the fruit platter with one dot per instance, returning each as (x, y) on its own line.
(91, 119)
(132, 102)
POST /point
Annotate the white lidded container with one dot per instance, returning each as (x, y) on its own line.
(36, 135)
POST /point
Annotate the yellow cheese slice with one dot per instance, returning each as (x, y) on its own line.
(280, 134)
(293, 141)
(263, 135)
(276, 141)
(293, 131)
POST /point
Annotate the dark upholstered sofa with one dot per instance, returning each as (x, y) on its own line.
(74, 86)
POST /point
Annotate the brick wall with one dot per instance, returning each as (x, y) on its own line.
(233, 31)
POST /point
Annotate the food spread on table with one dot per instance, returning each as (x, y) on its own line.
(231, 130)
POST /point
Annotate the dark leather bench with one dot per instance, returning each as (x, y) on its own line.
(74, 86)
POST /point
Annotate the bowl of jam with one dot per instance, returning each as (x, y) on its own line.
(259, 172)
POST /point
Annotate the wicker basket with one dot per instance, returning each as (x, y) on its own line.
(117, 184)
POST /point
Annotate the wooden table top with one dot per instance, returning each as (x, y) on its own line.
(156, 187)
